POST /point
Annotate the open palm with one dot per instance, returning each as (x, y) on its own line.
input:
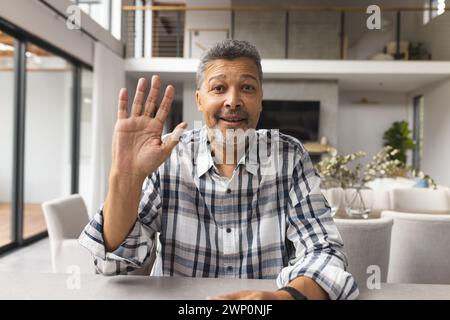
(137, 146)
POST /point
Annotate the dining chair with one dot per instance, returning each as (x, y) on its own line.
(420, 200)
(420, 248)
(66, 217)
(366, 245)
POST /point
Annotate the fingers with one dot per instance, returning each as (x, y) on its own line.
(166, 103)
(172, 141)
(122, 110)
(150, 104)
(139, 97)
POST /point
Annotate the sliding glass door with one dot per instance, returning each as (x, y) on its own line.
(45, 103)
(47, 173)
(7, 53)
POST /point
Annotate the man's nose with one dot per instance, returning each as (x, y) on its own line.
(233, 99)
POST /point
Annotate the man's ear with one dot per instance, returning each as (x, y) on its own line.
(198, 100)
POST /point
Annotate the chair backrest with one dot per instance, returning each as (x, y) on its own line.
(420, 248)
(65, 217)
(421, 200)
(381, 200)
(366, 243)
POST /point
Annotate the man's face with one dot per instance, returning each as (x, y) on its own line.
(230, 96)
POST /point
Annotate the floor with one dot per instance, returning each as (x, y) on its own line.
(34, 221)
(32, 258)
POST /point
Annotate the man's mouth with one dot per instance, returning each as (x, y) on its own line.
(232, 119)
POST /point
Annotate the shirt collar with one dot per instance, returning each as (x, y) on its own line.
(205, 160)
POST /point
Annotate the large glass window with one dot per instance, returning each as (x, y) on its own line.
(107, 13)
(6, 134)
(47, 134)
(85, 135)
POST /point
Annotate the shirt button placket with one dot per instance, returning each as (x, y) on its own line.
(229, 237)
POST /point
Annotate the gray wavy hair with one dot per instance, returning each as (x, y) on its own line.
(229, 49)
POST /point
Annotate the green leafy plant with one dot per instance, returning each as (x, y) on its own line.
(398, 137)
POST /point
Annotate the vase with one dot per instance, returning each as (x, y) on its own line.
(358, 202)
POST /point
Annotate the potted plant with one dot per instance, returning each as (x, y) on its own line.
(398, 137)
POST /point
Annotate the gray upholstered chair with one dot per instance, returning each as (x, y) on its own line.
(420, 200)
(420, 248)
(366, 243)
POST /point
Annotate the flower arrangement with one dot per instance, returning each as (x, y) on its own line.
(335, 171)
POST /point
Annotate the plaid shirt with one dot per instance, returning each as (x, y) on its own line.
(270, 220)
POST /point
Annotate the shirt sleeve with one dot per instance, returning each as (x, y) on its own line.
(316, 241)
(134, 251)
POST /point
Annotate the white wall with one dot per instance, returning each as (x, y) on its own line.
(436, 36)
(436, 131)
(205, 19)
(361, 126)
(190, 111)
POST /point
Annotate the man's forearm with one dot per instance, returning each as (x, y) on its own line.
(120, 209)
(307, 286)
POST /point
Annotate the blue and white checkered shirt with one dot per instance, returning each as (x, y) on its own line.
(270, 220)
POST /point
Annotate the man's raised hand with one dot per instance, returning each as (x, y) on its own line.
(137, 146)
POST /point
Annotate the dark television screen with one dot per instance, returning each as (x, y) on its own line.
(299, 119)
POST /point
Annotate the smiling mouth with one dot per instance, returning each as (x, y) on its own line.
(233, 120)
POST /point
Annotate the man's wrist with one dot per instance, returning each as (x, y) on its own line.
(293, 293)
(283, 295)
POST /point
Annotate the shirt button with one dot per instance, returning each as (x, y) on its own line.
(228, 230)
(228, 190)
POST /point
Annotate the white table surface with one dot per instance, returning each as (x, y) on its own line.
(58, 286)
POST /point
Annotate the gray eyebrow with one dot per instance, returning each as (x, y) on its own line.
(220, 76)
(249, 76)
(244, 76)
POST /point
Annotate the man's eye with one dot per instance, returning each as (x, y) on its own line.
(248, 87)
(218, 88)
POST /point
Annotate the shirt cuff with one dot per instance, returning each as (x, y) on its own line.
(327, 271)
(133, 251)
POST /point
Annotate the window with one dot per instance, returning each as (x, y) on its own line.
(433, 8)
(40, 88)
(47, 173)
(7, 53)
(85, 135)
(107, 13)
(418, 105)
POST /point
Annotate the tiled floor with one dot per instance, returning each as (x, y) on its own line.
(33, 258)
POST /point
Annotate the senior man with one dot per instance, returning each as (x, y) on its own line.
(212, 205)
